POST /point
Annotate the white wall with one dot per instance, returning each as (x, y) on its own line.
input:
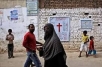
(19, 26)
(75, 14)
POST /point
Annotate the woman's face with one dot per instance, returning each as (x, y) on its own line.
(48, 30)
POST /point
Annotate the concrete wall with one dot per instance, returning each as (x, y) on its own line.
(75, 14)
(19, 27)
(69, 8)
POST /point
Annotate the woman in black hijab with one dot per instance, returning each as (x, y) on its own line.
(53, 51)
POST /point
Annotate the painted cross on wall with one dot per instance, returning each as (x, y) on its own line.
(61, 25)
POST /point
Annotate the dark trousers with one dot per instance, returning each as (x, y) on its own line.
(10, 50)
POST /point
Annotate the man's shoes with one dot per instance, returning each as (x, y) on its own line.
(12, 56)
(86, 55)
(79, 56)
(9, 57)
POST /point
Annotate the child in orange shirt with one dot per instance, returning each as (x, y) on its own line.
(91, 46)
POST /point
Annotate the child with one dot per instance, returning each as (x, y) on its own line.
(10, 38)
(91, 46)
(84, 43)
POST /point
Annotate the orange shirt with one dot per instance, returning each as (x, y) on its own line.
(91, 45)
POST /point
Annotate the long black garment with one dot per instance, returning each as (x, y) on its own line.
(54, 54)
(57, 61)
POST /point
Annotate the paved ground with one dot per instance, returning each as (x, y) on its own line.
(72, 60)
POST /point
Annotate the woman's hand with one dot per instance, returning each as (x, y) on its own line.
(39, 48)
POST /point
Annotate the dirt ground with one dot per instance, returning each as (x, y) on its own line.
(72, 60)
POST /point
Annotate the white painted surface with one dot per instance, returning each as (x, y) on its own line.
(61, 26)
(75, 14)
(19, 27)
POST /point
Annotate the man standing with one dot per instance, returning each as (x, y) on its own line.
(10, 38)
(29, 43)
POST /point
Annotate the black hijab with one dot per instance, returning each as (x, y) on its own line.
(52, 45)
